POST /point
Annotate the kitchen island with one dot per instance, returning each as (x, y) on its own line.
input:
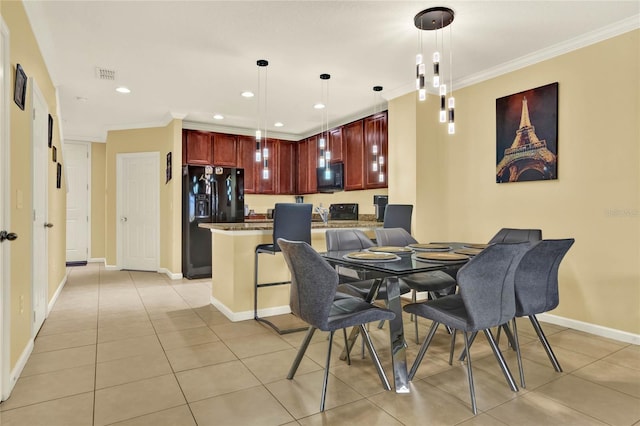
(232, 261)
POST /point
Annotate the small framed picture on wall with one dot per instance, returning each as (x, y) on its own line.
(58, 175)
(54, 154)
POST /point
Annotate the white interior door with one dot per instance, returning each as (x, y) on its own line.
(39, 142)
(76, 158)
(137, 210)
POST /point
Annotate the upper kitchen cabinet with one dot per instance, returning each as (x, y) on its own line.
(286, 172)
(335, 145)
(225, 150)
(376, 148)
(199, 147)
(246, 159)
(307, 162)
(353, 149)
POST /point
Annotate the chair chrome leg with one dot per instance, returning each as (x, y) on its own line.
(423, 350)
(301, 351)
(503, 364)
(255, 286)
(346, 342)
(509, 334)
(518, 354)
(472, 390)
(326, 373)
(545, 343)
(453, 346)
(464, 351)
(374, 357)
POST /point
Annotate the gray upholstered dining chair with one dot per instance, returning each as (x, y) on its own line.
(398, 216)
(433, 282)
(515, 235)
(290, 221)
(313, 299)
(536, 287)
(486, 299)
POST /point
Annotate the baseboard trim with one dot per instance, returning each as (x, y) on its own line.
(172, 275)
(248, 315)
(598, 330)
(58, 291)
(97, 260)
(17, 370)
(111, 267)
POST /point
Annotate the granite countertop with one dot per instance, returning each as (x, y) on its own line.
(266, 225)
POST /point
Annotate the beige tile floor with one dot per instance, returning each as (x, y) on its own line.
(135, 348)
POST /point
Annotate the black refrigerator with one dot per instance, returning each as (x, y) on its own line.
(209, 194)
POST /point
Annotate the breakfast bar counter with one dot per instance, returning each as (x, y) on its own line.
(232, 261)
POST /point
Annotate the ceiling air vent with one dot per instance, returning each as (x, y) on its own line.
(105, 74)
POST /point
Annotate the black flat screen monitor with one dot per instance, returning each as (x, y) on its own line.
(332, 179)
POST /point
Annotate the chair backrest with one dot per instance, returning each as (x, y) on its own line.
(536, 278)
(313, 283)
(291, 221)
(394, 237)
(513, 235)
(347, 239)
(398, 216)
(486, 284)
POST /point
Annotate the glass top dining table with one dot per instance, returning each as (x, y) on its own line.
(404, 263)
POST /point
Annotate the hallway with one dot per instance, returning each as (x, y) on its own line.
(135, 348)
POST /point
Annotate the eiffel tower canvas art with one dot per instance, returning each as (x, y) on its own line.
(527, 135)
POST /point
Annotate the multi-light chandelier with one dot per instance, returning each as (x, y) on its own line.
(323, 141)
(434, 19)
(376, 150)
(262, 150)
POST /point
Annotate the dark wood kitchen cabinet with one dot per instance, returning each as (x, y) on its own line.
(375, 134)
(286, 171)
(225, 150)
(199, 147)
(335, 145)
(246, 159)
(307, 161)
(353, 147)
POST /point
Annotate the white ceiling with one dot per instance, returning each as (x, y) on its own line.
(191, 59)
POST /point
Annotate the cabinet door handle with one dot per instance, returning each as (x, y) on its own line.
(48, 225)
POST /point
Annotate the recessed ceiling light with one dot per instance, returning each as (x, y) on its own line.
(218, 116)
(247, 94)
(123, 89)
(319, 105)
(278, 124)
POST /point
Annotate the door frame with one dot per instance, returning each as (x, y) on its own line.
(89, 188)
(5, 211)
(120, 158)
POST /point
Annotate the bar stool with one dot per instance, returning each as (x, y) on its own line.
(291, 221)
(398, 216)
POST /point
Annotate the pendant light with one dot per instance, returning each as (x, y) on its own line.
(376, 150)
(434, 19)
(323, 142)
(262, 150)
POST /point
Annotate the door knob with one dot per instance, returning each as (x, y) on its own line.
(48, 225)
(4, 235)
(123, 219)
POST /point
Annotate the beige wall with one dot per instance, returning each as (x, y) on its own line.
(595, 199)
(163, 140)
(98, 200)
(24, 51)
